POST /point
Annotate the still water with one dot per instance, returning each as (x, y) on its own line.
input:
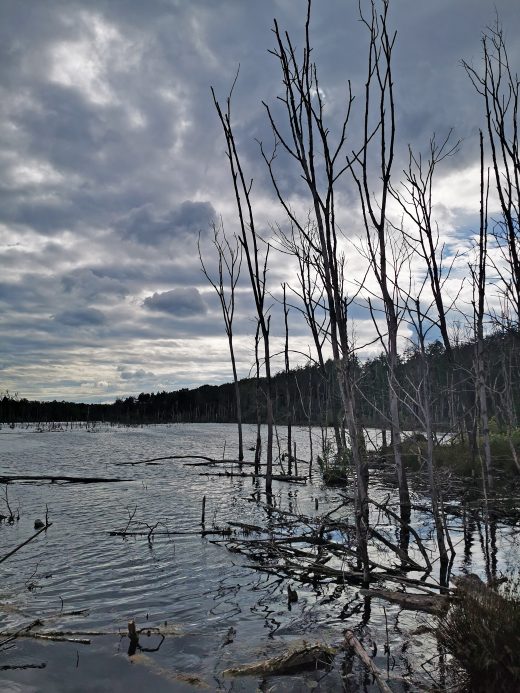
(217, 609)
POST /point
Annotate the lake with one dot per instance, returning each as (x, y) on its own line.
(215, 607)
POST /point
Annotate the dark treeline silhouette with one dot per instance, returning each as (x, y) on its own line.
(306, 395)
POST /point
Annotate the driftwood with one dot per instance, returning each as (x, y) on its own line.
(25, 542)
(299, 657)
(353, 643)
(432, 603)
(53, 479)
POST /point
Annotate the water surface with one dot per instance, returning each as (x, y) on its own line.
(218, 609)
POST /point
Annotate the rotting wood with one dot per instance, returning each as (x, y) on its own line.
(432, 603)
(299, 657)
(353, 643)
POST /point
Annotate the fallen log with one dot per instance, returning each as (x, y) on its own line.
(299, 657)
(207, 460)
(353, 643)
(53, 479)
(274, 477)
(432, 603)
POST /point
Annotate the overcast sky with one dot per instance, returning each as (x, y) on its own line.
(112, 162)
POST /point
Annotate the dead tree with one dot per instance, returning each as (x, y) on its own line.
(499, 87)
(371, 168)
(311, 294)
(478, 274)
(288, 398)
(321, 164)
(257, 268)
(418, 398)
(229, 264)
(415, 201)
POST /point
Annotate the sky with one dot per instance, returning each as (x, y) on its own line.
(113, 163)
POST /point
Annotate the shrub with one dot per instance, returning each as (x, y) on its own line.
(481, 630)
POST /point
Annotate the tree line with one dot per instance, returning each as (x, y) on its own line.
(303, 396)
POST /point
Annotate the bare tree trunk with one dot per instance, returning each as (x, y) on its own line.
(230, 259)
(374, 207)
(479, 288)
(288, 400)
(257, 270)
(309, 138)
(500, 90)
(258, 446)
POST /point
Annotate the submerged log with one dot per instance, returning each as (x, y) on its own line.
(432, 603)
(352, 642)
(20, 546)
(299, 657)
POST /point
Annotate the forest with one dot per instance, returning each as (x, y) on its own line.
(304, 396)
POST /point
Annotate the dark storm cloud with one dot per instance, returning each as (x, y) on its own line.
(183, 303)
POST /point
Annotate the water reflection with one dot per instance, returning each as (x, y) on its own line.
(222, 609)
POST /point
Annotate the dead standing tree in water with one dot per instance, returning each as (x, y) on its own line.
(499, 88)
(321, 165)
(257, 269)
(422, 237)
(379, 137)
(229, 263)
(478, 274)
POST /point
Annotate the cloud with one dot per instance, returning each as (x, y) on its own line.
(82, 317)
(112, 159)
(146, 226)
(126, 374)
(183, 303)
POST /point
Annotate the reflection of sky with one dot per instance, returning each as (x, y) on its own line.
(198, 587)
(112, 162)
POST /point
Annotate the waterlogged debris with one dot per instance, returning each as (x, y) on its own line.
(300, 656)
(20, 546)
(432, 603)
(353, 643)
